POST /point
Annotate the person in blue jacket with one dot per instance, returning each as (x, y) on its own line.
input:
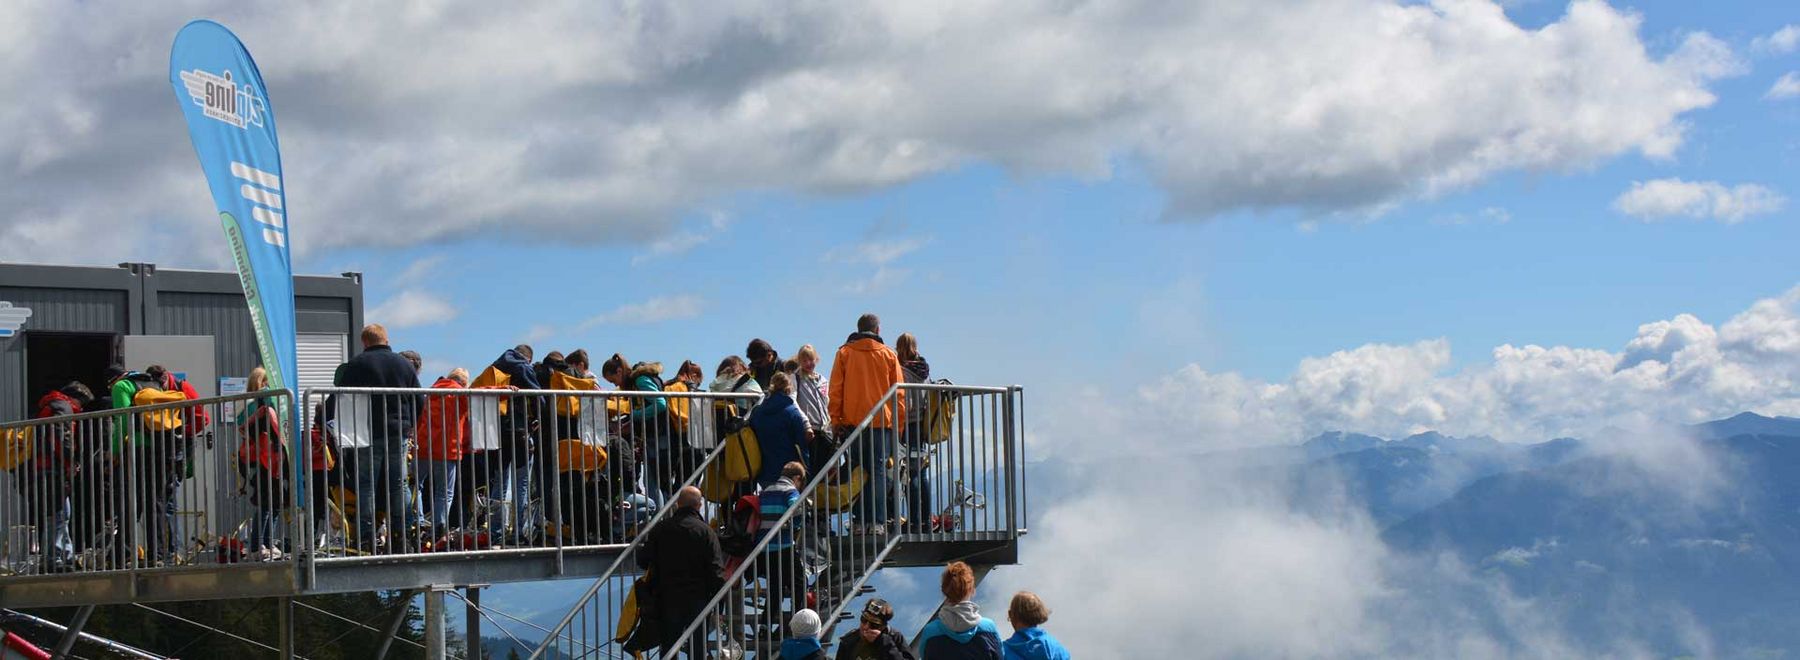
(780, 429)
(959, 631)
(1027, 614)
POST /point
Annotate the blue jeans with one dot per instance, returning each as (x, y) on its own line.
(515, 490)
(380, 477)
(437, 487)
(918, 485)
(871, 453)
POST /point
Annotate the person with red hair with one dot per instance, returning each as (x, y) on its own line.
(959, 631)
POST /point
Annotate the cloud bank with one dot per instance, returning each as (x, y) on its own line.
(1680, 370)
(611, 121)
(1145, 549)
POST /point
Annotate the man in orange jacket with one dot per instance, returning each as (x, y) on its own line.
(861, 376)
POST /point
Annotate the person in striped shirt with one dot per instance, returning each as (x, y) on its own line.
(780, 563)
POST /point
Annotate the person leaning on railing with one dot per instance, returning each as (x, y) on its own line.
(442, 437)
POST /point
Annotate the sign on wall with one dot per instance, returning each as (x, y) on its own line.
(12, 319)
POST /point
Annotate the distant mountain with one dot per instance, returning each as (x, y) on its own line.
(1613, 543)
(1397, 479)
(1746, 423)
(1333, 443)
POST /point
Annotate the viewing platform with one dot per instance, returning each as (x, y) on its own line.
(207, 499)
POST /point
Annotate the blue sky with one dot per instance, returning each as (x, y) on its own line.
(1039, 278)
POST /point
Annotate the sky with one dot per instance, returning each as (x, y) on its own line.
(1238, 223)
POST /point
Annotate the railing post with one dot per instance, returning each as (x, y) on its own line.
(1012, 465)
(434, 623)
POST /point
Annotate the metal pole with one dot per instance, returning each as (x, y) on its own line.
(393, 628)
(284, 618)
(67, 643)
(434, 623)
(472, 627)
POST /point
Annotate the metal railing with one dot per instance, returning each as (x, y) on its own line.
(375, 475)
(949, 471)
(198, 482)
(453, 470)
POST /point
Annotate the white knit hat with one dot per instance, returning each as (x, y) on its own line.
(804, 624)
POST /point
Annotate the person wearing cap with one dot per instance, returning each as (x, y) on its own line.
(803, 637)
(1027, 614)
(873, 640)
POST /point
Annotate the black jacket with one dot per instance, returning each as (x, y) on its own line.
(380, 366)
(889, 646)
(684, 553)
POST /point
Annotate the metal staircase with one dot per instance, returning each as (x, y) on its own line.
(959, 498)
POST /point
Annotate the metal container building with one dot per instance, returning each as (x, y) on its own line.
(82, 319)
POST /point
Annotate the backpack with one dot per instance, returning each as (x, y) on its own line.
(738, 537)
(570, 406)
(16, 447)
(680, 408)
(837, 494)
(742, 458)
(940, 414)
(195, 418)
(150, 393)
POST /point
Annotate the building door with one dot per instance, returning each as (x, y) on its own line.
(52, 359)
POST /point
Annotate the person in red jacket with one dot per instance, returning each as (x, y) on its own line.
(44, 486)
(443, 438)
(262, 468)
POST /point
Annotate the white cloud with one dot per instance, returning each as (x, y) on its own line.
(1681, 370)
(1781, 42)
(1661, 198)
(623, 116)
(1786, 87)
(684, 241)
(413, 308)
(654, 310)
(880, 253)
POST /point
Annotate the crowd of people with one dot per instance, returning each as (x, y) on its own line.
(490, 460)
(108, 483)
(542, 467)
(957, 631)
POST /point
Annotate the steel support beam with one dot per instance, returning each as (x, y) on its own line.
(284, 621)
(434, 623)
(67, 643)
(393, 628)
(472, 623)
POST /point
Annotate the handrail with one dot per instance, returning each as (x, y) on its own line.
(630, 548)
(812, 485)
(111, 413)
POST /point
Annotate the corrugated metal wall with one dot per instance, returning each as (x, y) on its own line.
(224, 316)
(65, 310)
(107, 300)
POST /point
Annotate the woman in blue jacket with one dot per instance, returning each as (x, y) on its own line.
(780, 429)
